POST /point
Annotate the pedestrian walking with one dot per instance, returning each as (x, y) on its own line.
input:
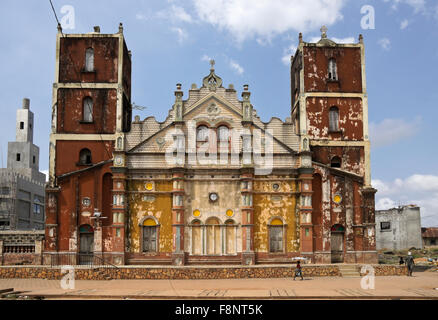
(410, 263)
(298, 271)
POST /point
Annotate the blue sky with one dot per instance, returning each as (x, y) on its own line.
(172, 41)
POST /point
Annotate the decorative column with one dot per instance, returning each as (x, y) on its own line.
(247, 209)
(119, 208)
(178, 255)
(178, 106)
(369, 238)
(305, 205)
(1, 252)
(51, 225)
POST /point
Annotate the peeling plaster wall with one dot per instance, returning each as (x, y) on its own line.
(350, 118)
(70, 111)
(348, 65)
(160, 208)
(265, 209)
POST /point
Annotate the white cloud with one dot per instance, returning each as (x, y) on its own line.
(264, 19)
(390, 131)
(206, 58)
(236, 67)
(141, 16)
(385, 43)
(181, 33)
(175, 14)
(404, 24)
(417, 5)
(46, 172)
(287, 53)
(180, 14)
(421, 190)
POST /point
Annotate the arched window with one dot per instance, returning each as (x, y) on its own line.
(335, 162)
(202, 133)
(332, 70)
(85, 156)
(88, 110)
(89, 60)
(213, 236)
(196, 237)
(334, 119)
(223, 139)
(223, 134)
(149, 243)
(276, 233)
(230, 237)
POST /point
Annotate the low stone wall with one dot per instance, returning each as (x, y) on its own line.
(229, 272)
(100, 273)
(389, 270)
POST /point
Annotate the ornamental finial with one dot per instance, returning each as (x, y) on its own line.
(212, 63)
(324, 30)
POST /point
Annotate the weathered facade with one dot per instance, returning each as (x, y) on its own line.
(212, 184)
(398, 228)
(429, 236)
(22, 185)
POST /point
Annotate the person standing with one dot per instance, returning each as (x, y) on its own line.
(298, 271)
(410, 263)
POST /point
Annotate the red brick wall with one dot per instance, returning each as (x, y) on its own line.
(72, 59)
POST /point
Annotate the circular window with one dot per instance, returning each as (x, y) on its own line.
(196, 213)
(275, 186)
(86, 202)
(337, 198)
(149, 186)
(229, 213)
(213, 197)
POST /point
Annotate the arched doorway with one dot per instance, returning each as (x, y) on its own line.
(86, 244)
(337, 243)
(213, 237)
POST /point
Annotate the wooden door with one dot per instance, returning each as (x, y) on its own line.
(337, 247)
(149, 239)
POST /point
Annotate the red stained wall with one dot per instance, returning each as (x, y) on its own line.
(348, 62)
(72, 59)
(70, 111)
(67, 154)
(350, 118)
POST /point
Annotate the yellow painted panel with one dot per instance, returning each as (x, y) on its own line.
(160, 208)
(265, 209)
(276, 222)
(149, 222)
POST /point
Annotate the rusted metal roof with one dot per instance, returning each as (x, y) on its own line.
(429, 232)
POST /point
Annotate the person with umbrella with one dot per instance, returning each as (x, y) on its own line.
(298, 271)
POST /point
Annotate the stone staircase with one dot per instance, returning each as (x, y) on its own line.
(349, 270)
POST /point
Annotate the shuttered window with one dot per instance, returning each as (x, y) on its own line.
(332, 70)
(334, 119)
(88, 110)
(149, 239)
(89, 60)
(276, 238)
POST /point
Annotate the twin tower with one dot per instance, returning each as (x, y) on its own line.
(113, 196)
